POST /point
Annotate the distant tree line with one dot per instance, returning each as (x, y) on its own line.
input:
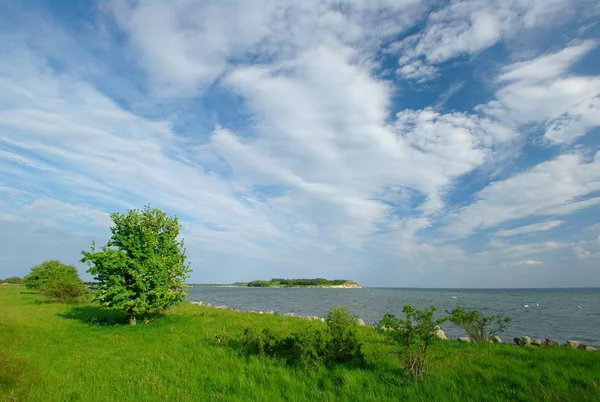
(13, 280)
(297, 282)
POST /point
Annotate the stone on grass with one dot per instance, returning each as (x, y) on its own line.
(573, 344)
(360, 322)
(522, 340)
(590, 349)
(439, 333)
(550, 343)
(496, 339)
(464, 339)
(536, 342)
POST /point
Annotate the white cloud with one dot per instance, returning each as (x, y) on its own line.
(542, 91)
(467, 27)
(530, 262)
(536, 227)
(546, 189)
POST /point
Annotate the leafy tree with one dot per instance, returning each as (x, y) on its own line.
(479, 327)
(141, 270)
(48, 271)
(413, 334)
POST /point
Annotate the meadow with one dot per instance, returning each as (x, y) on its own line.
(61, 352)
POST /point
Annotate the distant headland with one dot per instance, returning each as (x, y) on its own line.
(305, 283)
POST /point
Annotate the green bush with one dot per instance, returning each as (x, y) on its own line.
(67, 290)
(413, 336)
(13, 280)
(343, 338)
(312, 347)
(479, 327)
(48, 271)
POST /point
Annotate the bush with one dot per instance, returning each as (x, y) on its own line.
(13, 280)
(48, 271)
(64, 290)
(312, 347)
(478, 326)
(343, 343)
(413, 335)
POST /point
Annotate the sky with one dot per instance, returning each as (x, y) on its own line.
(399, 143)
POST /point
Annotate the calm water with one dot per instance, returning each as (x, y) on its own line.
(557, 316)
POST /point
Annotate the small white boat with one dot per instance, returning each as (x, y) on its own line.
(526, 305)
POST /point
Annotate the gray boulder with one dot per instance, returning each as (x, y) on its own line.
(522, 340)
(551, 343)
(590, 349)
(439, 333)
(360, 322)
(573, 344)
(464, 339)
(495, 339)
(289, 314)
(536, 342)
(271, 312)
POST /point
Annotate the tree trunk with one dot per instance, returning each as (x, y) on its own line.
(132, 319)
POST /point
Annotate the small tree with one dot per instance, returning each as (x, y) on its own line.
(48, 271)
(479, 327)
(343, 345)
(141, 270)
(413, 335)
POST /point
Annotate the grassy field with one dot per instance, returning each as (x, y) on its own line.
(56, 352)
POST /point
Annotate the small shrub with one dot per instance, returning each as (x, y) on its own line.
(262, 343)
(343, 337)
(13, 280)
(479, 327)
(48, 271)
(312, 347)
(308, 348)
(64, 290)
(413, 335)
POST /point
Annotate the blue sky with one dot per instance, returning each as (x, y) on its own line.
(394, 142)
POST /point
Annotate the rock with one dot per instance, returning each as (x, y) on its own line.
(209, 305)
(522, 340)
(289, 314)
(271, 312)
(495, 339)
(308, 317)
(536, 342)
(252, 311)
(550, 343)
(360, 322)
(322, 319)
(590, 349)
(464, 339)
(260, 312)
(573, 344)
(221, 307)
(439, 333)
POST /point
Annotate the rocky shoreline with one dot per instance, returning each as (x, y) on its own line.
(523, 341)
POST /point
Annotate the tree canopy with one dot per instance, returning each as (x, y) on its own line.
(141, 270)
(48, 271)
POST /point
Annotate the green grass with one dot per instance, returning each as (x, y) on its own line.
(57, 352)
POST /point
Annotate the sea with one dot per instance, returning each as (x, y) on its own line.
(558, 314)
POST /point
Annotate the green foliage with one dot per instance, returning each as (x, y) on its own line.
(479, 327)
(53, 352)
(141, 270)
(48, 271)
(413, 335)
(12, 280)
(68, 290)
(285, 283)
(343, 343)
(312, 347)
